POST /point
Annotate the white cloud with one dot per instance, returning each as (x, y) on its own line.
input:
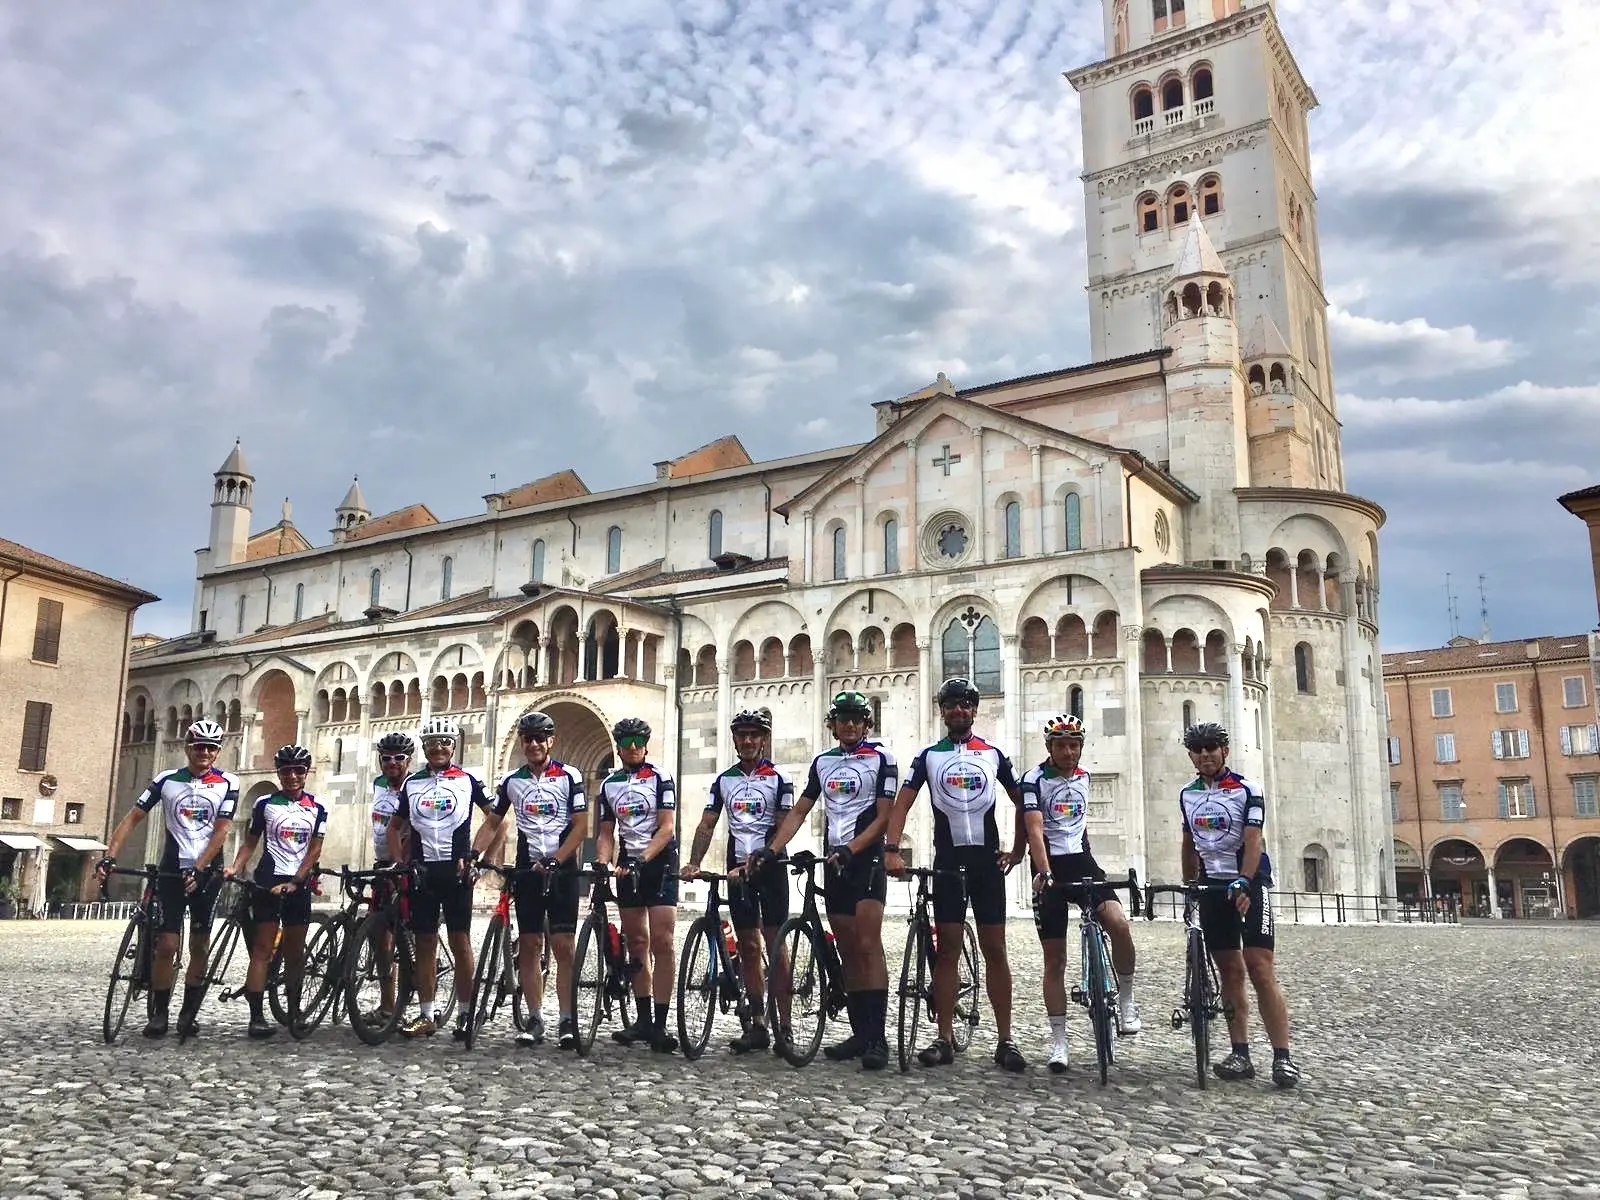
(1387, 352)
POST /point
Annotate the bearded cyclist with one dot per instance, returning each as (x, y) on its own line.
(198, 803)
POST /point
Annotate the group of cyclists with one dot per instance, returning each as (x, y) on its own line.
(423, 815)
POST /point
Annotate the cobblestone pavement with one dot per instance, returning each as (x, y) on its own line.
(1438, 1061)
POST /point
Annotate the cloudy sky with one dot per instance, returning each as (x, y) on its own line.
(477, 236)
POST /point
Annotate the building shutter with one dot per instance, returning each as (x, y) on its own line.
(47, 632)
(1533, 801)
(35, 737)
(1522, 743)
(1498, 745)
(1566, 739)
(1505, 801)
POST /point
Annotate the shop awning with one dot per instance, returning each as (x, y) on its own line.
(21, 841)
(81, 844)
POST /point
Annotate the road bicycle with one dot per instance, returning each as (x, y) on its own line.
(918, 963)
(382, 947)
(808, 991)
(1096, 989)
(322, 994)
(496, 979)
(603, 968)
(1202, 992)
(709, 979)
(134, 966)
(235, 925)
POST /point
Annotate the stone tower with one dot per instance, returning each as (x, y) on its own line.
(230, 509)
(1200, 108)
(352, 511)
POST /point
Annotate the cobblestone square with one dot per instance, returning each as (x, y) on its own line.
(1439, 1061)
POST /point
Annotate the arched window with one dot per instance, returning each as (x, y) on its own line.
(446, 570)
(1148, 211)
(375, 587)
(838, 552)
(1073, 512)
(1305, 676)
(299, 600)
(1075, 701)
(1210, 189)
(1144, 103)
(1188, 714)
(1172, 95)
(1158, 10)
(970, 647)
(1177, 12)
(613, 550)
(1200, 85)
(1178, 204)
(714, 533)
(891, 546)
(241, 614)
(1013, 530)
(536, 572)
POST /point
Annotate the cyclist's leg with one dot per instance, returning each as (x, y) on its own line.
(1220, 923)
(457, 915)
(425, 912)
(527, 894)
(263, 935)
(635, 920)
(202, 913)
(986, 884)
(749, 917)
(1260, 945)
(1118, 931)
(562, 911)
(950, 915)
(296, 917)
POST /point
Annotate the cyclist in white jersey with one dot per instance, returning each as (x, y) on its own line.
(1223, 816)
(395, 752)
(551, 817)
(964, 776)
(756, 796)
(197, 803)
(856, 781)
(639, 838)
(291, 822)
(435, 812)
(1055, 804)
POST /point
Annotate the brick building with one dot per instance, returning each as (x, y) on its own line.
(1493, 770)
(65, 635)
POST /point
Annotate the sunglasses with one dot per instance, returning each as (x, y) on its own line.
(536, 737)
(394, 758)
(292, 770)
(1209, 746)
(632, 743)
(439, 744)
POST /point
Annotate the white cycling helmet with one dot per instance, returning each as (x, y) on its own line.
(204, 733)
(440, 729)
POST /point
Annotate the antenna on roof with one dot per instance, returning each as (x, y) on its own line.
(1450, 607)
(1483, 608)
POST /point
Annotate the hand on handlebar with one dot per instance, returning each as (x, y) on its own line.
(1041, 881)
(894, 863)
(1239, 893)
(840, 858)
(1007, 861)
(692, 871)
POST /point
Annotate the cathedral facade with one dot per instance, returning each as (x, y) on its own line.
(1158, 537)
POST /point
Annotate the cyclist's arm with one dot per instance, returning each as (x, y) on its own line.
(702, 837)
(605, 842)
(1020, 841)
(790, 825)
(666, 830)
(213, 851)
(1037, 850)
(399, 830)
(1250, 855)
(308, 868)
(247, 850)
(1191, 859)
(129, 822)
(873, 833)
(899, 810)
(490, 833)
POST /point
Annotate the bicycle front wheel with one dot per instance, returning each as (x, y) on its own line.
(1199, 1001)
(377, 980)
(1100, 1014)
(486, 979)
(913, 988)
(797, 993)
(969, 989)
(128, 971)
(319, 981)
(587, 994)
(697, 988)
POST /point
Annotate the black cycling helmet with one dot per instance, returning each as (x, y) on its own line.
(850, 704)
(751, 718)
(1205, 736)
(536, 724)
(957, 690)
(397, 743)
(630, 727)
(292, 756)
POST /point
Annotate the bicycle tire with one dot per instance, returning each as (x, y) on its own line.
(130, 954)
(695, 1034)
(802, 984)
(1100, 1015)
(913, 991)
(223, 945)
(365, 956)
(485, 979)
(969, 989)
(444, 982)
(586, 1012)
(321, 967)
(1200, 1003)
(520, 1009)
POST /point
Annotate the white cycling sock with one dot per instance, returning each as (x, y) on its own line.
(1125, 988)
(1058, 1028)
(427, 1009)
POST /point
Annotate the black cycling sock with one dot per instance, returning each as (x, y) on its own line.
(852, 1005)
(645, 1006)
(661, 1016)
(1242, 1049)
(161, 997)
(254, 1000)
(875, 1013)
(1280, 1054)
(193, 993)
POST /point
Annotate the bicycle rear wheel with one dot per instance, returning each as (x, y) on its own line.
(800, 991)
(444, 988)
(1199, 1001)
(1100, 1014)
(374, 959)
(319, 982)
(588, 986)
(127, 977)
(698, 988)
(913, 990)
(486, 979)
(969, 989)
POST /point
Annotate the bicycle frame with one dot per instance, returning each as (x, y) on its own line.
(1202, 990)
(1097, 989)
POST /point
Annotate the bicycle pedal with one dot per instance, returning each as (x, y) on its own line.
(1179, 1018)
(1079, 996)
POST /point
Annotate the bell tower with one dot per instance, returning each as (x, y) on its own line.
(230, 509)
(1200, 109)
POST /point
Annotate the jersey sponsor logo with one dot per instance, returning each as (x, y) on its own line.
(842, 787)
(440, 802)
(294, 836)
(540, 805)
(747, 804)
(1209, 820)
(965, 779)
(196, 810)
(1068, 807)
(379, 817)
(631, 804)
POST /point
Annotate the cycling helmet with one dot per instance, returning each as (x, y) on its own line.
(536, 724)
(1204, 736)
(630, 727)
(292, 756)
(440, 729)
(204, 733)
(957, 691)
(397, 743)
(751, 719)
(850, 704)
(1064, 726)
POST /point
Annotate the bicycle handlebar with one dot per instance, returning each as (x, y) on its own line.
(150, 871)
(1192, 888)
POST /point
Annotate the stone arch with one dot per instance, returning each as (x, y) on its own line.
(1316, 871)
(903, 653)
(1215, 654)
(1186, 652)
(1071, 639)
(1103, 637)
(519, 657)
(705, 666)
(602, 646)
(1523, 850)
(455, 657)
(744, 661)
(841, 653)
(773, 663)
(1332, 594)
(396, 664)
(1310, 531)
(801, 662)
(561, 647)
(872, 650)
(275, 701)
(1215, 616)
(1035, 644)
(1154, 657)
(769, 618)
(867, 606)
(1281, 575)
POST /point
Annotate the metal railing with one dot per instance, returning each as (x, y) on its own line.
(95, 910)
(1338, 908)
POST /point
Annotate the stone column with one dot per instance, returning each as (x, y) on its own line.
(1011, 674)
(925, 690)
(819, 693)
(981, 514)
(1360, 743)
(638, 666)
(583, 656)
(724, 709)
(809, 552)
(1037, 454)
(1494, 894)
(912, 537)
(861, 526)
(1236, 717)
(302, 727)
(1133, 702)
